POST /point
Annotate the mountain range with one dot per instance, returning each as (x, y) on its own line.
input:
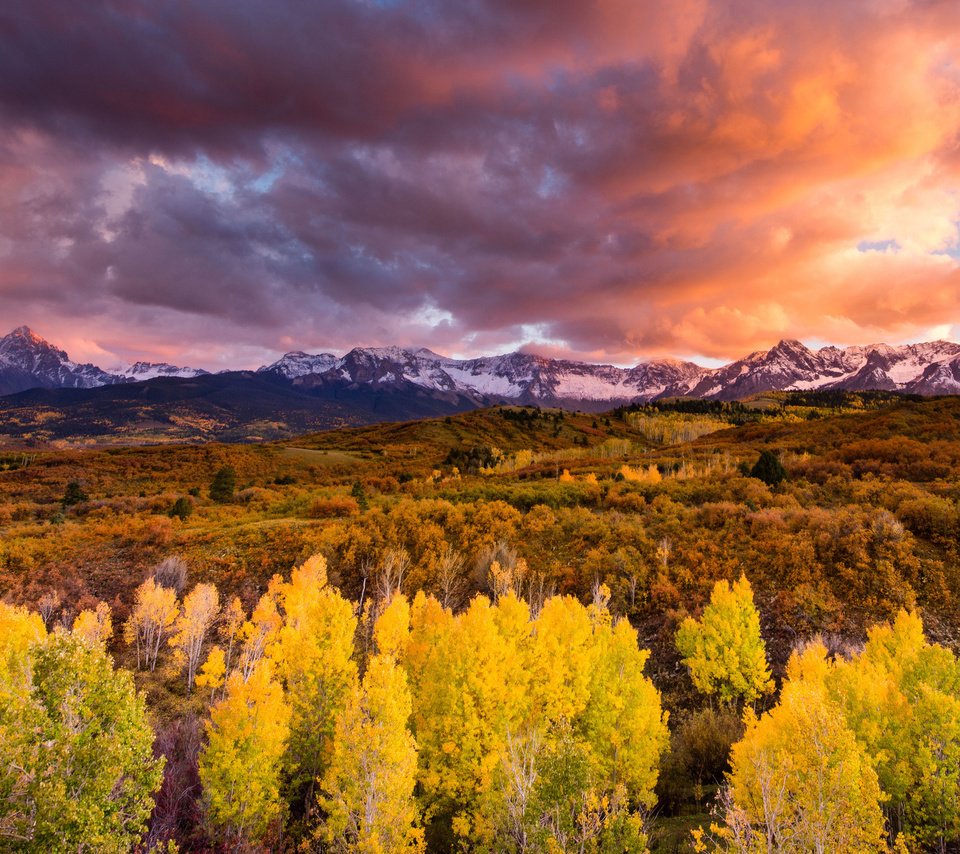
(303, 391)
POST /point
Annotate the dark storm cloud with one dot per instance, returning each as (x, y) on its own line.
(624, 177)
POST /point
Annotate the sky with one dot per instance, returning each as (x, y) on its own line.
(216, 182)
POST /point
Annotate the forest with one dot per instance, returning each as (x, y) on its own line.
(670, 628)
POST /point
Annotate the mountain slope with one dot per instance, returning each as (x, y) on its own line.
(511, 378)
(234, 406)
(27, 361)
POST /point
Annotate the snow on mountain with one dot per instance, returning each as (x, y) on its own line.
(940, 377)
(790, 366)
(298, 364)
(527, 378)
(151, 370)
(513, 377)
(27, 361)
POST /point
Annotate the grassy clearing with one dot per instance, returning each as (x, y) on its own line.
(312, 457)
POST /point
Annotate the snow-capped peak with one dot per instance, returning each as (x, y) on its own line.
(300, 364)
(150, 370)
(28, 361)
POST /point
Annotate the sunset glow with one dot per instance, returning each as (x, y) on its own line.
(215, 183)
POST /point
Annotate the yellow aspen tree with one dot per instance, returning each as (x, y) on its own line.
(94, 627)
(468, 676)
(19, 629)
(799, 780)
(723, 649)
(313, 654)
(563, 656)
(262, 630)
(99, 774)
(901, 697)
(241, 763)
(230, 629)
(368, 788)
(213, 671)
(593, 738)
(154, 611)
(21, 632)
(624, 723)
(391, 633)
(201, 606)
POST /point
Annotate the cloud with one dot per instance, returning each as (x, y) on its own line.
(225, 180)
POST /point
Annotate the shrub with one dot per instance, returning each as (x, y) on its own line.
(182, 508)
(338, 505)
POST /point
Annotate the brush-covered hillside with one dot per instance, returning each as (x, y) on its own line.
(533, 630)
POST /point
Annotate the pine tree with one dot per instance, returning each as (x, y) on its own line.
(223, 485)
(73, 494)
(182, 509)
(769, 469)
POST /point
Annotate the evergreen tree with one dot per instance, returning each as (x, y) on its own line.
(223, 485)
(182, 508)
(769, 469)
(73, 494)
(359, 495)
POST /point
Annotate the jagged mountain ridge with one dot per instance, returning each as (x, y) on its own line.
(931, 368)
(139, 371)
(514, 377)
(28, 361)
